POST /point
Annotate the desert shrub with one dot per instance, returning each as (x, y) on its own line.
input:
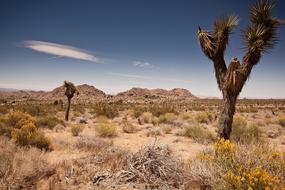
(236, 166)
(154, 167)
(239, 122)
(158, 109)
(76, 129)
(147, 117)
(106, 129)
(127, 126)
(48, 122)
(93, 145)
(78, 109)
(4, 109)
(22, 168)
(198, 133)
(104, 109)
(29, 134)
(166, 128)
(167, 118)
(246, 134)
(21, 127)
(281, 121)
(137, 111)
(202, 117)
(186, 115)
(153, 132)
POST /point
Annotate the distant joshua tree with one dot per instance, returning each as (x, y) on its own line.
(70, 90)
(259, 37)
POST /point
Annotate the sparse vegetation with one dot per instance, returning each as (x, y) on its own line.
(281, 121)
(48, 122)
(104, 109)
(76, 129)
(22, 168)
(198, 133)
(127, 126)
(106, 129)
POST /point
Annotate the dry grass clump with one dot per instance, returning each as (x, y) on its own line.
(239, 166)
(167, 118)
(48, 122)
(95, 171)
(21, 168)
(22, 129)
(203, 117)
(244, 133)
(198, 133)
(106, 129)
(127, 126)
(167, 129)
(281, 121)
(186, 116)
(147, 117)
(77, 129)
(154, 167)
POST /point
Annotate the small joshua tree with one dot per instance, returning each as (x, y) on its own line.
(70, 90)
(259, 37)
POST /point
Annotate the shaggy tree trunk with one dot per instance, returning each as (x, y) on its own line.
(67, 109)
(227, 113)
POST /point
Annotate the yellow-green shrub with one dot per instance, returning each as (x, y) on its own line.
(21, 127)
(198, 133)
(202, 117)
(239, 166)
(106, 129)
(29, 134)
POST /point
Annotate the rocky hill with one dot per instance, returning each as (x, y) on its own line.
(156, 94)
(89, 94)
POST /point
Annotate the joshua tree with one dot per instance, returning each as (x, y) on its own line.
(259, 37)
(70, 90)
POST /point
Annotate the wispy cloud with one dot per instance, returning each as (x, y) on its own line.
(142, 64)
(129, 75)
(59, 50)
(148, 77)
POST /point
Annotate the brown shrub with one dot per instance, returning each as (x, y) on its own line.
(21, 168)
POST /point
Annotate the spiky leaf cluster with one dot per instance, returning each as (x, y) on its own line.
(261, 35)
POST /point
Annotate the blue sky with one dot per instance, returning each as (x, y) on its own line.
(118, 44)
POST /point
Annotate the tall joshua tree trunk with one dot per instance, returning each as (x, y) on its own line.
(70, 90)
(67, 109)
(226, 117)
(260, 36)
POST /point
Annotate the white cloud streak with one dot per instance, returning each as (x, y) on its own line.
(147, 77)
(141, 64)
(59, 50)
